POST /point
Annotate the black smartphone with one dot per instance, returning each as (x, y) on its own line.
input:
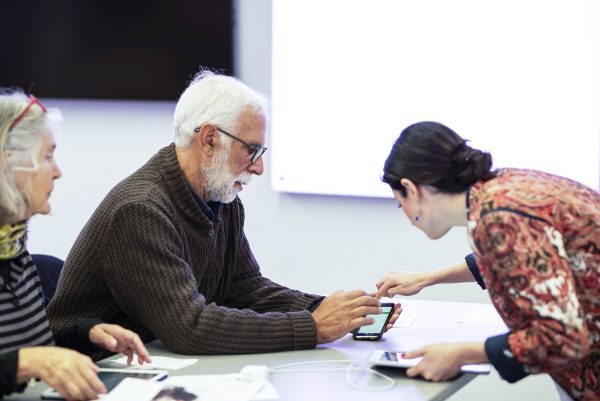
(373, 332)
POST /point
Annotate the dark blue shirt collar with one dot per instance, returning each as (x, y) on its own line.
(210, 209)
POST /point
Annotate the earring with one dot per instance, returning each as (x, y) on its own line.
(417, 218)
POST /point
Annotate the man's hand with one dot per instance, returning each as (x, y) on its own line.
(72, 374)
(342, 312)
(400, 284)
(118, 339)
(443, 361)
(395, 316)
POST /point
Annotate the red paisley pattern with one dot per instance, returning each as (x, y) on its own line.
(536, 239)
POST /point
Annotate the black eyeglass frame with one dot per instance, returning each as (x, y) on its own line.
(258, 150)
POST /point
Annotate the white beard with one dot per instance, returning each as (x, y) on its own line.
(219, 182)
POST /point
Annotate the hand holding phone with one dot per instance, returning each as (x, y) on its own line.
(342, 312)
(397, 360)
(112, 377)
(373, 332)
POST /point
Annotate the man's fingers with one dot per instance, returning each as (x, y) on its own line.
(396, 313)
(364, 311)
(106, 340)
(395, 316)
(133, 344)
(364, 300)
(140, 349)
(360, 321)
(354, 294)
(128, 343)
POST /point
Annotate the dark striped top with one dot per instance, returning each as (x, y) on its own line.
(22, 314)
(23, 321)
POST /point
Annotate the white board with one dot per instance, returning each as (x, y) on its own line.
(520, 79)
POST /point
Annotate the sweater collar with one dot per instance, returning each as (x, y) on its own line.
(169, 168)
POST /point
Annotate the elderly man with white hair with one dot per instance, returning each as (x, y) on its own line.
(165, 253)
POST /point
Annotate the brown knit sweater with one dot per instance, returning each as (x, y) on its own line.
(150, 260)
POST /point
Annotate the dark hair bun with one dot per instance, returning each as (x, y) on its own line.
(472, 165)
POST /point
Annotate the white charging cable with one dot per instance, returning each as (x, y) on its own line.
(349, 369)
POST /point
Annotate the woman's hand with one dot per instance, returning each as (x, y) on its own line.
(118, 339)
(400, 284)
(72, 374)
(443, 361)
(412, 283)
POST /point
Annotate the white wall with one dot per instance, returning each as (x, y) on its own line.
(314, 243)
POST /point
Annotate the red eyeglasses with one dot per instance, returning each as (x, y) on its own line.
(32, 100)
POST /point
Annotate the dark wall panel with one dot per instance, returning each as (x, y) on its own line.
(112, 49)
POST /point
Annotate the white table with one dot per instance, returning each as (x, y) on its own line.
(436, 322)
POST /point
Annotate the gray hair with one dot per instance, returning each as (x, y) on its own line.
(215, 99)
(19, 146)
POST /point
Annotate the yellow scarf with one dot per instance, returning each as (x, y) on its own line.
(11, 240)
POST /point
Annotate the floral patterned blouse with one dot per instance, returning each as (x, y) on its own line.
(536, 242)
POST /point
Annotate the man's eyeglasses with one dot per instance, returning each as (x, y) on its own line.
(32, 100)
(258, 150)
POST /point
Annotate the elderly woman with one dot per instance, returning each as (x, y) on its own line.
(536, 247)
(28, 348)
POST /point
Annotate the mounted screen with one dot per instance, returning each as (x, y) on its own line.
(112, 49)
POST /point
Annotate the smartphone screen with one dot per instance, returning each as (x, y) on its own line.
(380, 321)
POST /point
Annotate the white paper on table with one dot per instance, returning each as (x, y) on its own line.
(486, 315)
(158, 362)
(406, 318)
(205, 387)
(131, 389)
(227, 387)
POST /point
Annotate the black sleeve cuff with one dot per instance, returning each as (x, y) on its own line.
(472, 265)
(315, 305)
(77, 336)
(502, 358)
(9, 365)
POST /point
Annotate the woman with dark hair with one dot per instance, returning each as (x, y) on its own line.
(536, 248)
(28, 347)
